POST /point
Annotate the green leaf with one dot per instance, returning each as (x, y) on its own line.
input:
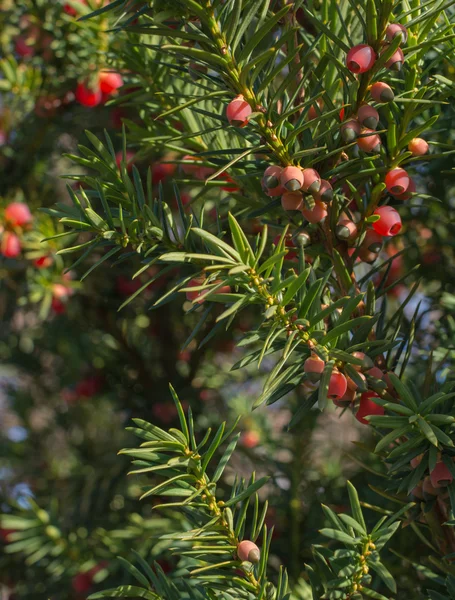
(181, 414)
(340, 536)
(225, 458)
(355, 505)
(125, 591)
(248, 492)
(384, 574)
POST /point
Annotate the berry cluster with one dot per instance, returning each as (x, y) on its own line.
(343, 390)
(16, 219)
(300, 189)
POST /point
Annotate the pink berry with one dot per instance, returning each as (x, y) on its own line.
(250, 439)
(368, 407)
(396, 61)
(316, 214)
(415, 462)
(18, 214)
(345, 400)
(417, 492)
(271, 181)
(292, 178)
(440, 476)
(346, 230)
(337, 385)
(360, 58)
(407, 194)
(190, 169)
(395, 29)
(88, 96)
(428, 488)
(369, 141)
(389, 222)
(325, 192)
(397, 181)
(10, 245)
(313, 367)
(381, 92)
(376, 373)
(248, 551)
(238, 112)
(352, 385)
(368, 116)
(372, 241)
(311, 181)
(109, 82)
(350, 130)
(418, 147)
(292, 200)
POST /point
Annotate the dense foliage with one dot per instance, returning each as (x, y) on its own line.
(258, 212)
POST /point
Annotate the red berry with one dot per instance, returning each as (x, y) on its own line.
(368, 407)
(311, 181)
(381, 92)
(250, 439)
(397, 181)
(248, 551)
(316, 214)
(368, 116)
(22, 47)
(325, 192)
(314, 112)
(109, 81)
(360, 58)
(346, 230)
(418, 147)
(350, 130)
(43, 262)
(72, 11)
(389, 222)
(196, 296)
(271, 181)
(230, 186)
(313, 367)
(395, 29)
(238, 112)
(10, 245)
(18, 214)
(292, 178)
(440, 476)
(292, 200)
(369, 141)
(337, 385)
(161, 171)
(407, 194)
(129, 159)
(88, 96)
(396, 61)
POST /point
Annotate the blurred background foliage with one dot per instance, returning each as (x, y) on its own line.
(75, 370)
